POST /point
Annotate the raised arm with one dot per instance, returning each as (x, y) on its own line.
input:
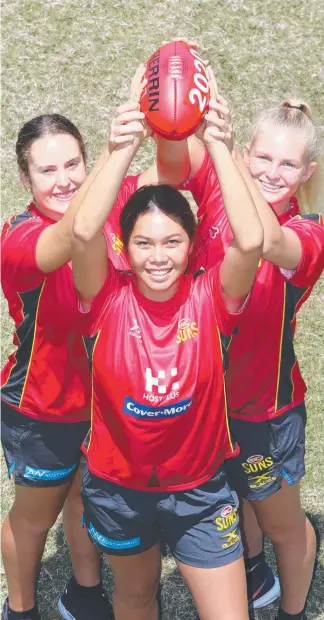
(281, 245)
(242, 256)
(89, 252)
(54, 244)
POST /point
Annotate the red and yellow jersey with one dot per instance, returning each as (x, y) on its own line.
(263, 379)
(159, 417)
(47, 377)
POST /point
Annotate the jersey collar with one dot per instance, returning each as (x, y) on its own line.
(291, 212)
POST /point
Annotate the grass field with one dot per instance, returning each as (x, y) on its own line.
(76, 57)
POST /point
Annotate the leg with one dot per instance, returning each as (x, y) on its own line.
(212, 590)
(252, 535)
(85, 557)
(137, 580)
(283, 520)
(24, 533)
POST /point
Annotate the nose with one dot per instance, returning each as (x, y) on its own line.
(272, 171)
(158, 255)
(62, 177)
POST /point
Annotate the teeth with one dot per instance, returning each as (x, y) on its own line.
(159, 273)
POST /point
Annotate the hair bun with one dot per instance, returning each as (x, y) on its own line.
(296, 104)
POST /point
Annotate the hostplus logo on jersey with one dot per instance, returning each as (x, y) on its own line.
(160, 389)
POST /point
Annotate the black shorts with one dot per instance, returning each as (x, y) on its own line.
(270, 451)
(40, 454)
(200, 526)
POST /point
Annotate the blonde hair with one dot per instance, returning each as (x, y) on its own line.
(297, 114)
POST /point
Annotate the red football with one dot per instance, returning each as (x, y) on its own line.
(176, 96)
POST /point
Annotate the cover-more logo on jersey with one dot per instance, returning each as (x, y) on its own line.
(187, 329)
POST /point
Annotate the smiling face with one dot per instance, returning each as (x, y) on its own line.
(158, 251)
(56, 170)
(277, 159)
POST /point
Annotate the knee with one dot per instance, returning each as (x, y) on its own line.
(287, 533)
(141, 596)
(32, 524)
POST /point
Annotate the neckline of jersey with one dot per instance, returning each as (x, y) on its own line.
(160, 307)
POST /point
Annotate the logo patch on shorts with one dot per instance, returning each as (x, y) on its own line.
(110, 543)
(257, 463)
(232, 538)
(34, 473)
(227, 519)
(138, 410)
(255, 459)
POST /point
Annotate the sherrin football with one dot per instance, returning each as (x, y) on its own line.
(176, 96)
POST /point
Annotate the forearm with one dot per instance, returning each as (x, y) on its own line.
(59, 236)
(238, 202)
(280, 245)
(101, 195)
(172, 164)
(271, 226)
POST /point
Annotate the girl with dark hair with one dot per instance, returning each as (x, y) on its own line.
(159, 432)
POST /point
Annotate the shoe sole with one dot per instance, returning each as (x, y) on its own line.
(64, 612)
(267, 598)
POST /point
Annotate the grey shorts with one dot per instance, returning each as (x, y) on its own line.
(40, 454)
(270, 451)
(200, 526)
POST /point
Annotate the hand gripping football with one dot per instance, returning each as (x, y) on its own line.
(176, 96)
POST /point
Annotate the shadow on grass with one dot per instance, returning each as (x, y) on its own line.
(177, 603)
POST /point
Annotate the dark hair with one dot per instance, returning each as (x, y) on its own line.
(40, 126)
(163, 197)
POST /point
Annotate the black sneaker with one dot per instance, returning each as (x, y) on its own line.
(77, 603)
(265, 592)
(32, 615)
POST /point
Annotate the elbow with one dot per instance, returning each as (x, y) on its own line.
(82, 230)
(271, 243)
(253, 243)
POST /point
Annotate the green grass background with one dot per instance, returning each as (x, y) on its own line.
(77, 57)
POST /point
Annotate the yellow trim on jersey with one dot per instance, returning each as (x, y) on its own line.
(32, 349)
(224, 389)
(15, 334)
(91, 406)
(280, 351)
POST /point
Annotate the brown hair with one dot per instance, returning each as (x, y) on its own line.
(40, 126)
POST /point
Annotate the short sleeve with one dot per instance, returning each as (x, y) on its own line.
(18, 253)
(310, 232)
(227, 321)
(205, 188)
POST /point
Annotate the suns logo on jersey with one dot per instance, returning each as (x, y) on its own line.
(187, 329)
(116, 243)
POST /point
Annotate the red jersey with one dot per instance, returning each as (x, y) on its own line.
(263, 379)
(47, 377)
(159, 417)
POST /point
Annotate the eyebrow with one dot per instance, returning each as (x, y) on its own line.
(165, 239)
(74, 159)
(293, 161)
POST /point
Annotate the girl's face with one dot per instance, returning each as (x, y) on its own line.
(158, 250)
(56, 171)
(277, 159)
